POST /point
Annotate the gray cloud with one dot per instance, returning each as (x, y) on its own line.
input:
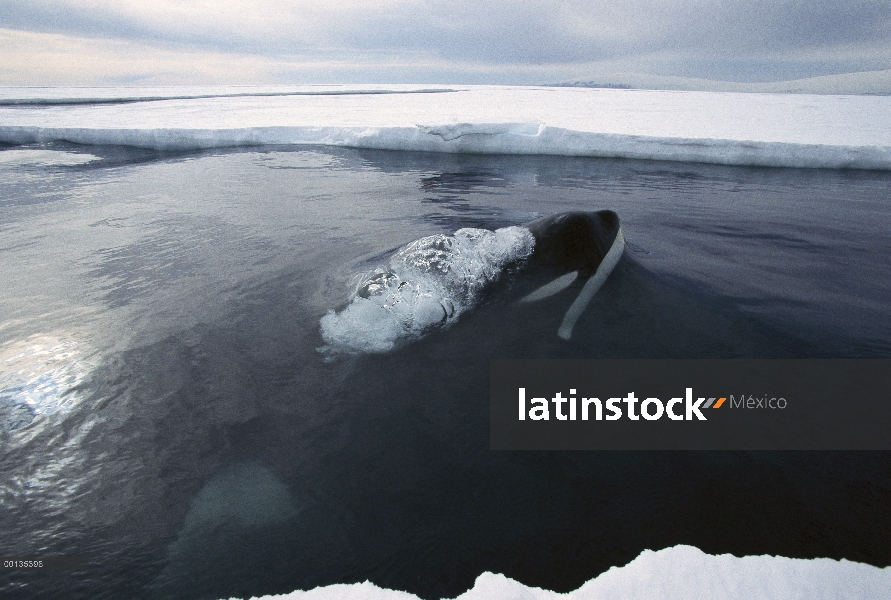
(726, 39)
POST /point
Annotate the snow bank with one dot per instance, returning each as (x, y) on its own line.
(678, 573)
(714, 127)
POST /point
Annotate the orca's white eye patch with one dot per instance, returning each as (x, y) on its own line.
(592, 286)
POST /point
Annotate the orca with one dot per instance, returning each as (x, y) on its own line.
(570, 246)
(428, 283)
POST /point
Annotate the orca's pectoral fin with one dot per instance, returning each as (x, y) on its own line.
(549, 289)
(594, 283)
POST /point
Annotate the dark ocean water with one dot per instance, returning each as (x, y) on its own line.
(165, 411)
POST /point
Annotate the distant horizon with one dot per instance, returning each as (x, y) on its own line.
(877, 82)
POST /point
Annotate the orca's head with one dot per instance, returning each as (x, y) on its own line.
(573, 241)
(568, 247)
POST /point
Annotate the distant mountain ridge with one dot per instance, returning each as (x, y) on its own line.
(860, 83)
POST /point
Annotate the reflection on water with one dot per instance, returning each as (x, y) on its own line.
(44, 158)
(39, 376)
(166, 412)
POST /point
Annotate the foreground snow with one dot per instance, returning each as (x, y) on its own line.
(678, 573)
(715, 127)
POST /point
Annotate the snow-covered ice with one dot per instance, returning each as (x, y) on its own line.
(788, 130)
(678, 573)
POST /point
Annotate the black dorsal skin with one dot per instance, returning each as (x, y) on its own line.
(572, 241)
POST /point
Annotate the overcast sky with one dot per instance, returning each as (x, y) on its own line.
(150, 42)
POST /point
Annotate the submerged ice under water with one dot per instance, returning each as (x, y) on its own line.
(201, 447)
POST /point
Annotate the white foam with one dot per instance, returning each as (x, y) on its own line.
(426, 285)
(678, 573)
(788, 130)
